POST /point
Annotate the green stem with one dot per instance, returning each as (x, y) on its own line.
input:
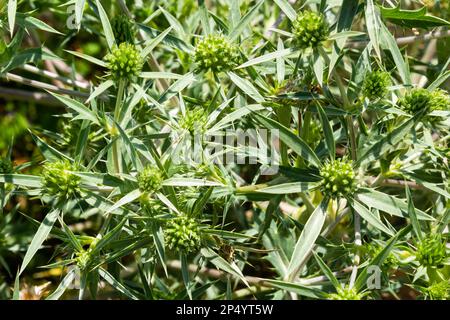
(115, 148)
(284, 117)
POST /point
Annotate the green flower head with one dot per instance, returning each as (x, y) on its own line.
(440, 100)
(375, 85)
(124, 62)
(59, 181)
(182, 234)
(194, 120)
(339, 179)
(6, 166)
(415, 101)
(438, 291)
(150, 179)
(216, 53)
(124, 29)
(431, 251)
(310, 29)
(345, 293)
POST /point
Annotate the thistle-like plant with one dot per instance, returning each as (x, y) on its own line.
(58, 180)
(307, 173)
(124, 62)
(376, 84)
(309, 29)
(217, 53)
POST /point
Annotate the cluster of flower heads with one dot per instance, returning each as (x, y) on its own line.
(6, 165)
(217, 53)
(194, 120)
(182, 234)
(376, 84)
(124, 62)
(338, 178)
(59, 181)
(310, 29)
(124, 29)
(431, 251)
(423, 100)
(150, 179)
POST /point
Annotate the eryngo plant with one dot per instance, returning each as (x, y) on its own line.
(291, 145)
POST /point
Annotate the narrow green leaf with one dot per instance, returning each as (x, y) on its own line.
(33, 55)
(291, 187)
(63, 285)
(21, 180)
(106, 25)
(328, 132)
(31, 22)
(129, 197)
(307, 238)
(296, 288)
(79, 8)
(160, 75)
(387, 203)
(266, 57)
(418, 18)
(222, 264)
(287, 9)
(412, 214)
(185, 274)
(39, 237)
(388, 42)
(190, 182)
(78, 107)
(370, 217)
(12, 8)
(374, 23)
(48, 151)
(177, 87)
(290, 139)
(246, 86)
(116, 284)
(100, 89)
(327, 271)
(236, 32)
(16, 293)
(388, 142)
(154, 42)
(96, 61)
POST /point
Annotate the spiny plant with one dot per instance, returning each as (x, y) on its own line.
(300, 149)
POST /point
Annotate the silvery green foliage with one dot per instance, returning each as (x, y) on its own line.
(352, 185)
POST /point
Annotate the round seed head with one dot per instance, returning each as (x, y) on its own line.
(216, 53)
(150, 179)
(438, 291)
(309, 29)
(431, 252)
(339, 179)
(59, 181)
(345, 293)
(6, 166)
(182, 234)
(124, 62)
(194, 120)
(375, 85)
(415, 101)
(440, 100)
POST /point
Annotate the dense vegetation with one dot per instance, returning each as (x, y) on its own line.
(224, 149)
